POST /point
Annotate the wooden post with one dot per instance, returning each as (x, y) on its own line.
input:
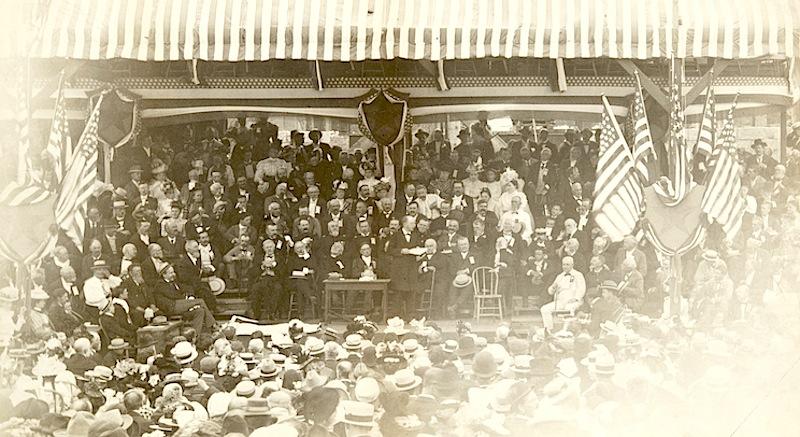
(784, 121)
(106, 163)
(674, 289)
(22, 286)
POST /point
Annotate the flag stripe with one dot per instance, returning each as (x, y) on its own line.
(618, 193)
(723, 200)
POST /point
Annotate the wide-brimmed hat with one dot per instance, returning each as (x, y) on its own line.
(450, 346)
(268, 369)
(353, 342)
(184, 352)
(410, 345)
(256, 407)
(421, 133)
(118, 204)
(462, 280)
(604, 364)
(217, 285)
(245, 388)
(466, 346)
(396, 325)
(159, 321)
(359, 413)
(102, 373)
(118, 343)
(405, 379)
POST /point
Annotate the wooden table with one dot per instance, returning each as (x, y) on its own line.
(356, 286)
(161, 333)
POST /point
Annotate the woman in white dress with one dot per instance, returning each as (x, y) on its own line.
(512, 188)
(472, 184)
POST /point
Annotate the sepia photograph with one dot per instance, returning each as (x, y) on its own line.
(399, 218)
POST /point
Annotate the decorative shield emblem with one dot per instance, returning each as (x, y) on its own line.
(674, 226)
(119, 116)
(383, 116)
(26, 227)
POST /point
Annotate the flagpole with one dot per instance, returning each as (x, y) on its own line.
(675, 290)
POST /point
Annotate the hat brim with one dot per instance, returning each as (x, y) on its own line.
(122, 346)
(415, 384)
(188, 359)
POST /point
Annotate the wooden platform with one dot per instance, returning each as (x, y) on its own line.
(233, 302)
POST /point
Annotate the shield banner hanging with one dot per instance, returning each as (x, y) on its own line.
(383, 117)
(119, 115)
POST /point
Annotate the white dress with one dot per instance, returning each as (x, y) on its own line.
(505, 202)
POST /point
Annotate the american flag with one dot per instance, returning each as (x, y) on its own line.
(679, 159)
(705, 136)
(28, 188)
(644, 153)
(723, 200)
(80, 181)
(618, 196)
(59, 143)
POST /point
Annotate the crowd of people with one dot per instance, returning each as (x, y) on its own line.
(189, 215)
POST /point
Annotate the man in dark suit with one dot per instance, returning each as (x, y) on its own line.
(573, 200)
(191, 272)
(152, 263)
(132, 187)
(125, 224)
(448, 239)
(316, 206)
(404, 263)
(384, 214)
(94, 253)
(61, 258)
(172, 244)
(173, 300)
(489, 218)
(462, 261)
(461, 202)
(93, 228)
(482, 241)
(144, 200)
(142, 239)
(434, 275)
(333, 213)
(405, 197)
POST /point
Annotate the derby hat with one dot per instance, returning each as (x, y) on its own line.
(484, 365)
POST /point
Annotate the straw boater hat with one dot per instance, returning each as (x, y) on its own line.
(184, 352)
(102, 373)
(217, 285)
(353, 342)
(268, 369)
(135, 168)
(405, 380)
(462, 280)
(359, 414)
(38, 294)
(118, 343)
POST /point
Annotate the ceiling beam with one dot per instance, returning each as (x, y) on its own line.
(655, 91)
(705, 80)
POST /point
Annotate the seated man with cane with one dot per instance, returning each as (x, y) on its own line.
(567, 290)
(174, 301)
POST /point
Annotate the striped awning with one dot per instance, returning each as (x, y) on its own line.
(354, 30)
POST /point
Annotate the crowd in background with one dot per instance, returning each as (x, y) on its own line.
(189, 210)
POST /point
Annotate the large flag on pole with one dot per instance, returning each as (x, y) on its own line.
(80, 181)
(644, 153)
(679, 155)
(723, 200)
(706, 133)
(618, 196)
(59, 143)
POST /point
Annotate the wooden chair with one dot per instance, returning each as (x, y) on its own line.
(487, 301)
(426, 299)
